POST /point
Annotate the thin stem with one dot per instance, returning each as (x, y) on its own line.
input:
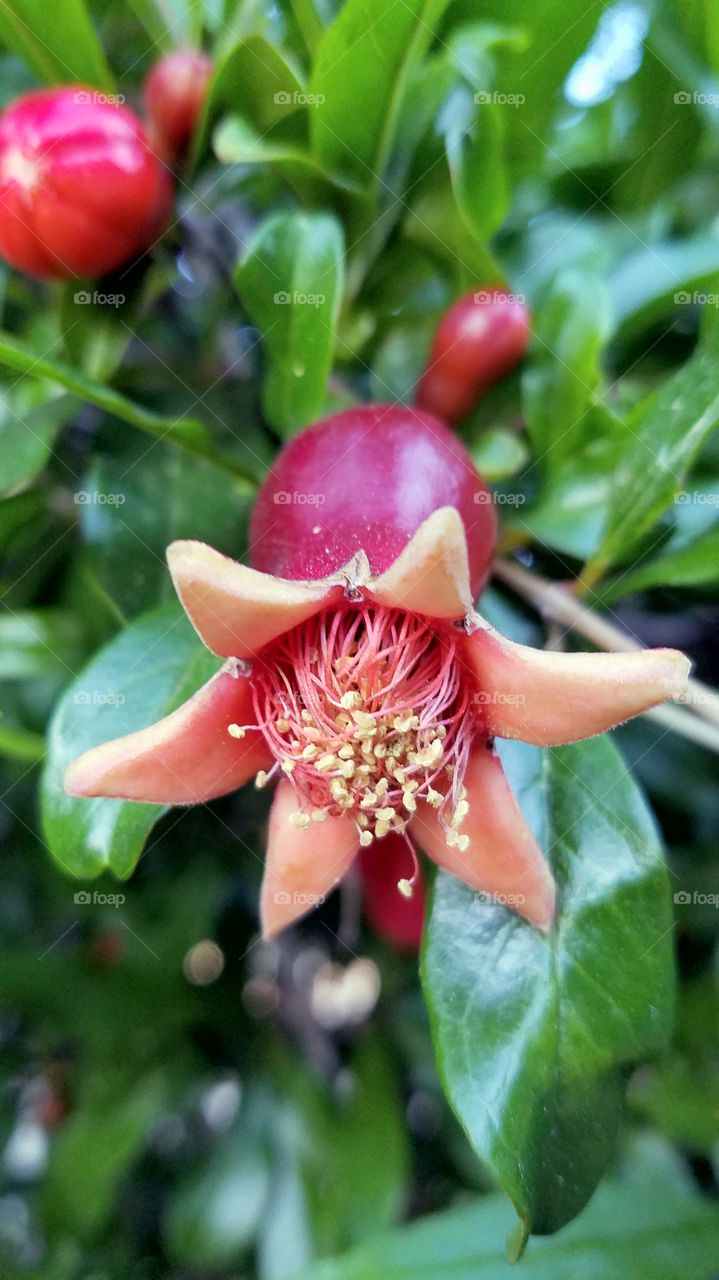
(553, 601)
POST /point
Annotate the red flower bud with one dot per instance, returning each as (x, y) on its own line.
(80, 190)
(365, 480)
(479, 340)
(175, 92)
(396, 917)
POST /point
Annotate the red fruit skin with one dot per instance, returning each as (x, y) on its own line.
(80, 190)
(366, 479)
(396, 919)
(480, 339)
(174, 95)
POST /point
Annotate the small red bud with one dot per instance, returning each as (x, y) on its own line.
(365, 479)
(175, 92)
(80, 190)
(479, 340)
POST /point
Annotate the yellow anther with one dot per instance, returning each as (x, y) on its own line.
(434, 798)
(385, 815)
(261, 779)
(363, 719)
(405, 888)
(282, 725)
(350, 699)
(300, 820)
(366, 838)
(235, 731)
(347, 768)
(409, 801)
(347, 752)
(326, 762)
(381, 829)
(382, 787)
(380, 750)
(319, 815)
(287, 766)
(368, 800)
(310, 751)
(307, 717)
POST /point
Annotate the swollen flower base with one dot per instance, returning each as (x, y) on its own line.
(367, 685)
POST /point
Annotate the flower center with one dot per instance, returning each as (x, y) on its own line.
(366, 712)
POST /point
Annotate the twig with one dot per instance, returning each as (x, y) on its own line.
(559, 605)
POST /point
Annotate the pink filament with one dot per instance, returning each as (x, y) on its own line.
(400, 664)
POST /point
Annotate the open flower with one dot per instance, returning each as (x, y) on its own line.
(359, 677)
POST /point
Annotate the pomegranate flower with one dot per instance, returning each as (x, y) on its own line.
(359, 676)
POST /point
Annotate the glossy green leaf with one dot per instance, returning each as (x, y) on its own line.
(639, 1231)
(696, 565)
(132, 504)
(236, 142)
(499, 454)
(291, 284)
(534, 1032)
(667, 431)
(562, 375)
(57, 40)
(140, 676)
(473, 134)
(663, 280)
(359, 78)
(256, 80)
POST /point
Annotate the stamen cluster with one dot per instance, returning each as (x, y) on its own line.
(366, 712)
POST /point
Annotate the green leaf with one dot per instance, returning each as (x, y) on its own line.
(668, 430)
(660, 278)
(361, 70)
(255, 80)
(214, 1214)
(473, 136)
(533, 1032)
(499, 454)
(187, 433)
(236, 142)
(133, 504)
(39, 642)
(639, 1231)
(84, 1174)
(57, 41)
(31, 415)
(140, 676)
(291, 283)
(696, 565)
(562, 376)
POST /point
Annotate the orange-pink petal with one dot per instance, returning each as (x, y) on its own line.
(503, 859)
(237, 610)
(186, 758)
(303, 865)
(550, 698)
(431, 575)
